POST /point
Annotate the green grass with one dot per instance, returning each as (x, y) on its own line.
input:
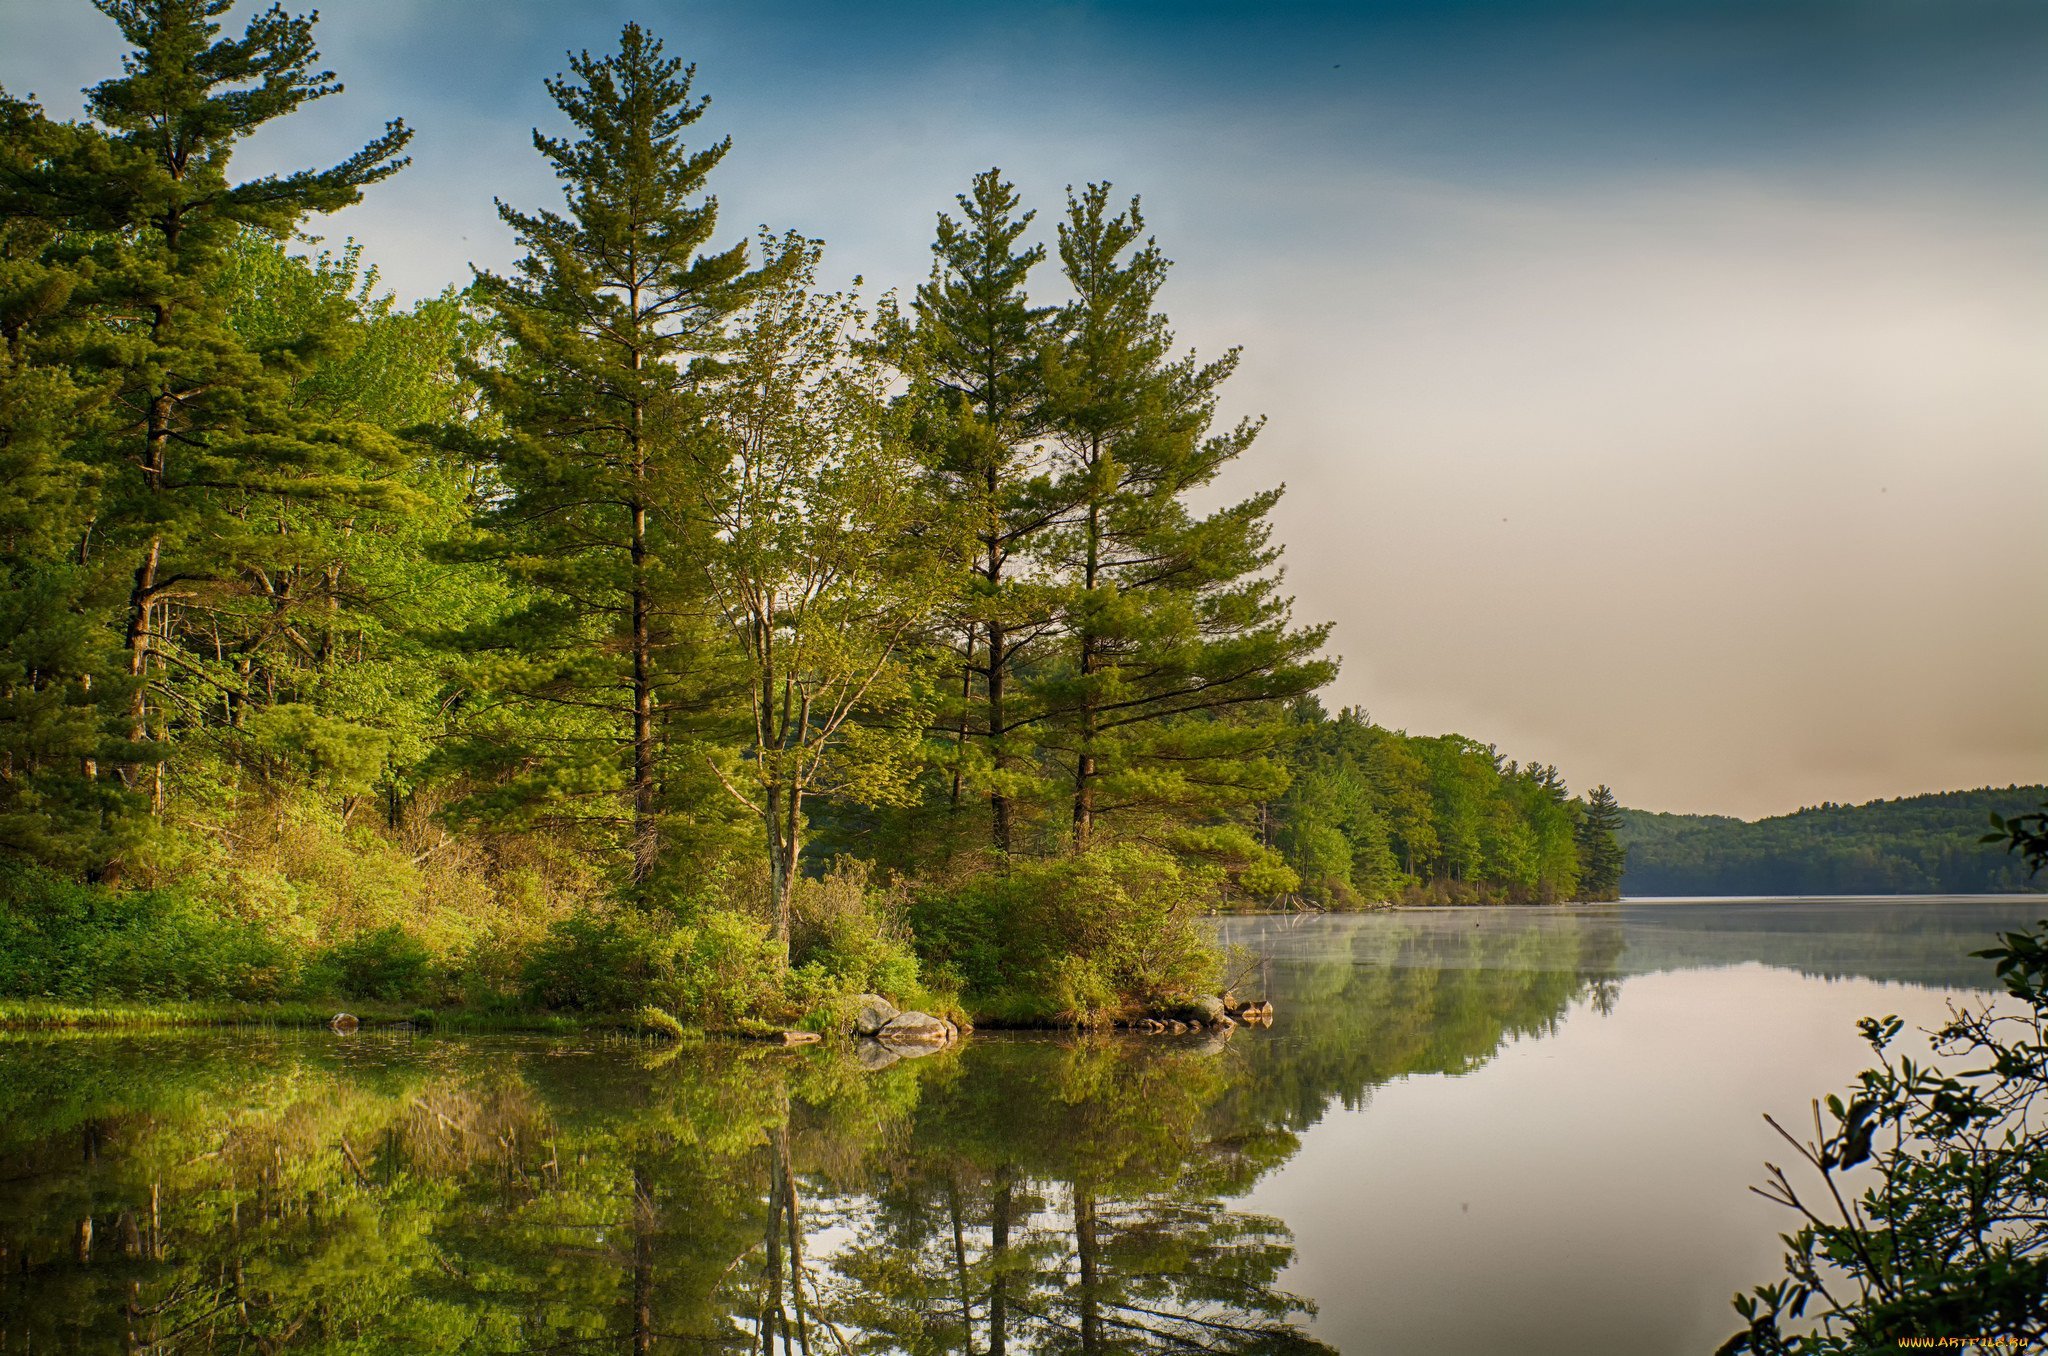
(43, 1014)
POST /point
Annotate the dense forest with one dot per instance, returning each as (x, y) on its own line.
(643, 626)
(1907, 845)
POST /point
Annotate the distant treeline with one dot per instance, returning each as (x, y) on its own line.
(1373, 815)
(1910, 845)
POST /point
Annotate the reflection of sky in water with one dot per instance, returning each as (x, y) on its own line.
(1584, 1189)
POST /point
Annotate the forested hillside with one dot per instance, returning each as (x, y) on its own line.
(1373, 815)
(642, 626)
(1909, 845)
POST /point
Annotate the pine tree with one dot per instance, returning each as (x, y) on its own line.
(1600, 855)
(201, 458)
(973, 357)
(58, 680)
(605, 320)
(1180, 649)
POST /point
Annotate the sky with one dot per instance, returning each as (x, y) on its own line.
(1660, 387)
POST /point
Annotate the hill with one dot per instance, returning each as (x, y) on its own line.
(1907, 845)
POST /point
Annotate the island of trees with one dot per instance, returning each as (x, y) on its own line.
(646, 626)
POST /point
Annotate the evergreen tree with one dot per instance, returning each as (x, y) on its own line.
(607, 321)
(59, 682)
(201, 460)
(1600, 854)
(1180, 648)
(973, 356)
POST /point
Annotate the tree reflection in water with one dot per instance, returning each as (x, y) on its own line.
(292, 1192)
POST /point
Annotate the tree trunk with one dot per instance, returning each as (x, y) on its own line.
(999, 1266)
(999, 804)
(782, 819)
(645, 846)
(1088, 1247)
(142, 596)
(1084, 767)
(643, 1262)
(966, 697)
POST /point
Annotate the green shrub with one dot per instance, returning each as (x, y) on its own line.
(61, 939)
(654, 1022)
(1114, 928)
(387, 963)
(592, 962)
(853, 933)
(724, 969)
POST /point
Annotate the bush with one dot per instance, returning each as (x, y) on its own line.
(592, 962)
(654, 1022)
(725, 969)
(387, 963)
(1080, 937)
(854, 934)
(60, 939)
(1949, 1245)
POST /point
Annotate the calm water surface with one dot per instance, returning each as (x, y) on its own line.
(1468, 1132)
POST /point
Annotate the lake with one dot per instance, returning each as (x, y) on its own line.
(1511, 1130)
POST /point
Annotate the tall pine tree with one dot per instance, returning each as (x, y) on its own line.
(605, 320)
(973, 356)
(201, 459)
(1601, 857)
(1180, 650)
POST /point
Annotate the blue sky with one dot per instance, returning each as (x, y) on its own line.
(1658, 385)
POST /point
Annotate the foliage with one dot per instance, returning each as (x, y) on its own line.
(2025, 834)
(1950, 1237)
(1374, 815)
(388, 963)
(1074, 939)
(581, 689)
(63, 940)
(1906, 845)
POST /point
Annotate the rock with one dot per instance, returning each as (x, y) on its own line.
(1231, 1004)
(1177, 1027)
(343, 1023)
(874, 1056)
(873, 1013)
(1207, 1008)
(799, 1038)
(914, 1028)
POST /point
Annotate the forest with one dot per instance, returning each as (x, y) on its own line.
(646, 628)
(1906, 845)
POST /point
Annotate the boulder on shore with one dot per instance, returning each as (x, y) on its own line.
(914, 1028)
(872, 1014)
(343, 1023)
